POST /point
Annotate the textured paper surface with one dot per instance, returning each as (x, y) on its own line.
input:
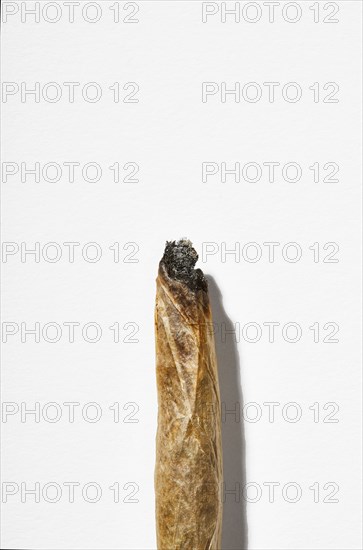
(188, 471)
(169, 134)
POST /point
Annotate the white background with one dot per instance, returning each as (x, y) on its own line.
(169, 133)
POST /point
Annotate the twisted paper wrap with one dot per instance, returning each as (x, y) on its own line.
(188, 471)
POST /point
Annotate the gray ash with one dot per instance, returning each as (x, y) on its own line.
(179, 260)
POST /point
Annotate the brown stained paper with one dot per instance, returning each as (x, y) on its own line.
(188, 472)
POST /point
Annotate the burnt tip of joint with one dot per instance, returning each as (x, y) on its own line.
(179, 260)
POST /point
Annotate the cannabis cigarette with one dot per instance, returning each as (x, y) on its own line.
(188, 472)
